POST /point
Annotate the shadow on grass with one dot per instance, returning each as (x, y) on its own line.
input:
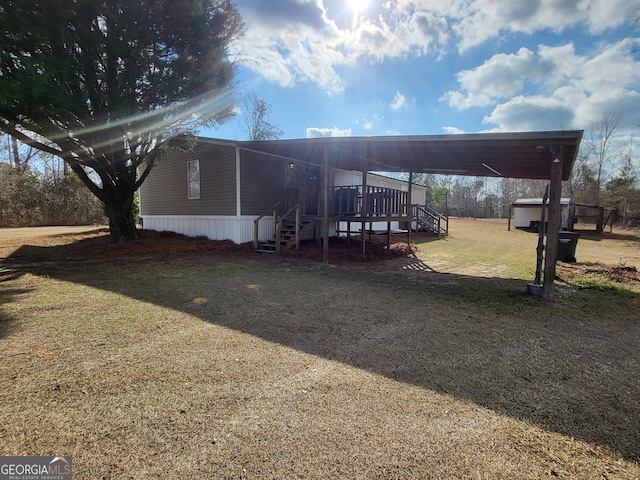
(569, 367)
(7, 323)
(598, 237)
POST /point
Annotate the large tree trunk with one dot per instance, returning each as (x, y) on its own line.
(122, 225)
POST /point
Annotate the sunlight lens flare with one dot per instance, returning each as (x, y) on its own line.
(357, 5)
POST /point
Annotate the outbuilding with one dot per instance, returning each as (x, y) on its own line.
(526, 213)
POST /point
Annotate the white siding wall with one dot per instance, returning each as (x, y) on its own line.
(344, 178)
(236, 229)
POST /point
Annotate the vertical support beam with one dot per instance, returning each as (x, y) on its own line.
(572, 214)
(553, 225)
(363, 210)
(599, 222)
(298, 228)
(325, 208)
(410, 210)
(238, 184)
(388, 236)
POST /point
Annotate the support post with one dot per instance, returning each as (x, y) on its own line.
(553, 225)
(388, 236)
(410, 212)
(325, 209)
(363, 211)
(541, 232)
(571, 220)
(599, 222)
(298, 228)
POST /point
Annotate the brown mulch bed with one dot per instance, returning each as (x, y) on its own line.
(623, 274)
(343, 251)
(96, 245)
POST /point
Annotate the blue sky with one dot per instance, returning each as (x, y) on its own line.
(403, 67)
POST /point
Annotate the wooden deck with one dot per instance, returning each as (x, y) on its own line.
(348, 205)
(358, 203)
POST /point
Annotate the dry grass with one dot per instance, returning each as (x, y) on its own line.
(218, 364)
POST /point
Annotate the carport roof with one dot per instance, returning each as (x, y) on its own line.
(509, 155)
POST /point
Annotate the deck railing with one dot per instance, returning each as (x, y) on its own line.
(274, 213)
(377, 201)
(291, 216)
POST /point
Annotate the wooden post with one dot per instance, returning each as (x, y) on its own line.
(363, 211)
(298, 228)
(572, 213)
(553, 225)
(599, 223)
(388, 236)
(541, 232)
(325, 209)
(410, 212)
(509, 221)
(255, 233)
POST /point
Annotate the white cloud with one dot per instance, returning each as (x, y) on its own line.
(310, 41)
(605, 14)
(399, 101)
(475, 22)
(314, 132)
(452, 130)
(369, 121)
(483, 20)
(290, 41)
(460, 101)
(504, 75)
(571, 90)
(531, 113)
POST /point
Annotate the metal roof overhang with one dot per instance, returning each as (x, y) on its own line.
(508, 155)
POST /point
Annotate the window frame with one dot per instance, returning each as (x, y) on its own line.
(193, 180)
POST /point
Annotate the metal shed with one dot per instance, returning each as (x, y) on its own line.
(527, 211)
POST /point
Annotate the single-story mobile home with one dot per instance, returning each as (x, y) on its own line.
(290, 189)
(286, 190)
(225, 191)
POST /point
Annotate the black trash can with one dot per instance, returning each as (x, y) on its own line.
(567, 243)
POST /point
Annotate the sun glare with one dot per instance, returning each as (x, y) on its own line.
(357, 5)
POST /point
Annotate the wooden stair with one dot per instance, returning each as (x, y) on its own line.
(287, 236)
(431, 221)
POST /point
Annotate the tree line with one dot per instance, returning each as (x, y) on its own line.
(38, 190)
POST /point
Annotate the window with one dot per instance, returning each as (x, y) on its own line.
(193, 179)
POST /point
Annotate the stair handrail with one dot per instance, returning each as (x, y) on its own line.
(278, 226)
(435, 215)
(274, 211)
